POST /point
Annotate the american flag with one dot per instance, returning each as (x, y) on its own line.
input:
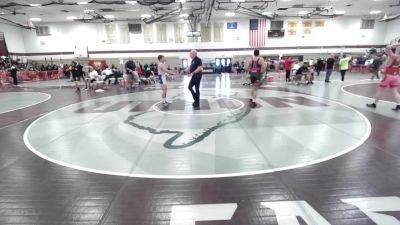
(257, 32)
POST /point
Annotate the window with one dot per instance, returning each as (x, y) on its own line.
(179, 33)
(148, 33)
(135, 28)
(193, 39)
(367, 24)
(218, 32)
(205, 33)
(276, 25)
(111, 32)
(42, 31)
(123, 33)
(161, 33)
(117, 33)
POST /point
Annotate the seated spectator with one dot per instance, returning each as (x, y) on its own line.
(106, 74)
(92, 77)
(304, 73)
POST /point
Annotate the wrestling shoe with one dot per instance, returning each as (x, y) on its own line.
(373, 105)
(397, 109)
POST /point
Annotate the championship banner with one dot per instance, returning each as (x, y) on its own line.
(319, 23)
(307, 23)
(292, 32)
(307, 31)
(292, 23)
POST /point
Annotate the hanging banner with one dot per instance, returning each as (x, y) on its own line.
(307, 23)
(292, 23)
(292, 32)
(307, 31)
(319, 23)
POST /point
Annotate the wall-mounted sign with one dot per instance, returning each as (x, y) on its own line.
(232, 25)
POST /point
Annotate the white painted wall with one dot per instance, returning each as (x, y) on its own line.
(392, 31)
(337, 32)
(13, 36)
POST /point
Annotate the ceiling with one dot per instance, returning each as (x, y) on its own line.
(21, 11)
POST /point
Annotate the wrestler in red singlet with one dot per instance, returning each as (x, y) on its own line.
(391, 79)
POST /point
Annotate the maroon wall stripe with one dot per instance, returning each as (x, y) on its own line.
(200, 50)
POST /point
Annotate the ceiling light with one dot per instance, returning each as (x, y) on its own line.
(267, 13)
(183, 15)
(145, 15)
(109, 16)
(72, 17)
(35, 5)
(375, 12)
(238, 0)
(131, 2)
(304, 12)
(35, 19)
(340, 12)
(230, 14)
(82, 3)
(180, 0)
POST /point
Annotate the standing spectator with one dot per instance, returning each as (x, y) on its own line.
(76, 76)
(376, 64)
(281, 68)
(139, 70)
(288, 67)
(344, 65)
(330, 62)
(141, 67)
(319, 66)
(14, 71)
(79, 68)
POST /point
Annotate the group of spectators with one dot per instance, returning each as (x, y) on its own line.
(135, 73)
(13, 66)
(7, 63)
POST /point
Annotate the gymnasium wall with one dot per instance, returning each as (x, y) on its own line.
(342, 31)
(13, 36)
(392, 31)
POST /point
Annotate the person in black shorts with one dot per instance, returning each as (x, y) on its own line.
(76, 76)
(195, 71)
(14, 71)
(256, 69)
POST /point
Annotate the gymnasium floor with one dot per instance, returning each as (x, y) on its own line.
(305, 155)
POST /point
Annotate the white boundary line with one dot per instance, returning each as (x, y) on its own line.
(201, 114)
(362, 96)
(23, 107)
(347, 150)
